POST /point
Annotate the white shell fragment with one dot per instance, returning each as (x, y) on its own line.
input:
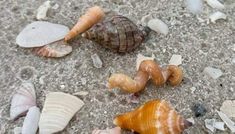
(31, 120)
(228, 107)
(42, 10)
(17, 130)
(213, 72)
(24, 99)
(215, 4)
(216, 16)
(194, 6)
(212, 125)
(58, 110)
(116, 130)
(191, 120)
(41, 33)
(96, 61)
(175, 60)
(227, 121)
(158, 26)
(56, 49)
(141, 58)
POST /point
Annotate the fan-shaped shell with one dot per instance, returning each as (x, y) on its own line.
(117, 33)
(154, 117)
(24, 99)
(41, 33)
(56, 49)
(58, 110)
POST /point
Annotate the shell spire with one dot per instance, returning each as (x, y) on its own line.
(148, 69)
(154, 117)
(117, 33)
(91, 17)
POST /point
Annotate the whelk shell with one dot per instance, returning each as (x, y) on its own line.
(58, 110)
(24, 99)
(154, 117)
(31, 120)
(41, 33)
(55, 49)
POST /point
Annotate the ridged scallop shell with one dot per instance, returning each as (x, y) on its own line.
(116, 130)
(117, 33)
(24, 99)
(58, 110)
(154, 117)
(56, 49)
(41, 33)
(31, 120)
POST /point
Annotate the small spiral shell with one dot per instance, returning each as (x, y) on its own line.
(117, 33)
(154, 117)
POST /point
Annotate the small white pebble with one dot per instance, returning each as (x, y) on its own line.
(191, 120)
(194, 6)
(192, 89)
(62, 86)
(233, 60)
(175, 60)
(213, 72)
(42, 10)
(158, 26)
(83, 80)
(56, 6)
(96, 61)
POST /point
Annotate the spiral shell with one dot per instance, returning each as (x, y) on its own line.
(154, 117)
(117, 33)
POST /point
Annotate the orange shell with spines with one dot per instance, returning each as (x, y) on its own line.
(154, 117)
(86, 21)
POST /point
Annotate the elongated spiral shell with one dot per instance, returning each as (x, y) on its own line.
(117, 33)
(148, 70)
(154, 117)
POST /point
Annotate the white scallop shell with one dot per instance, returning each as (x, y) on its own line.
(55, 49)
(24, 99)
(216, 16)
(58, 110)
(31, 120)
(215, 4)
(116, 130)
(141, 58)
(41, 33)
(158, 26)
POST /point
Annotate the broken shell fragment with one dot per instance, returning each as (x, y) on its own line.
(31, 120)
(158, 26)
(42, 10)
(228, 107)
(58, 110)
(194, 6)
(154, 117)
(227, 121)
(24, 99)
(116, 130)
(55, 49)
(41, 33)
(216, 16)
(215, 4)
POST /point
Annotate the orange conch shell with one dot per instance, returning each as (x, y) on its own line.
(91, 17)
(154, 117)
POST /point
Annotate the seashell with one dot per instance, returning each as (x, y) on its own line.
(24, 99)
(42, 10)
(91, 17)
(58, 110)
(148, 69)
(31, 120)
(141, 58)
(215, 4)
(154, 117)
(216, 16)
(117, 33)
(158, 26)
(194, 6)
(228, 107)
(55, 49)
(116, 130)
(175, 60)
(230, 124)
(41, 33)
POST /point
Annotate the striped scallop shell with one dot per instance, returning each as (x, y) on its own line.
(154, 117)
(58, 110)
(117, 33)
(55, 49)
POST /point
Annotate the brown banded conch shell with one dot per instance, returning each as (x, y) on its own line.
(154, 117)
(148, 70)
